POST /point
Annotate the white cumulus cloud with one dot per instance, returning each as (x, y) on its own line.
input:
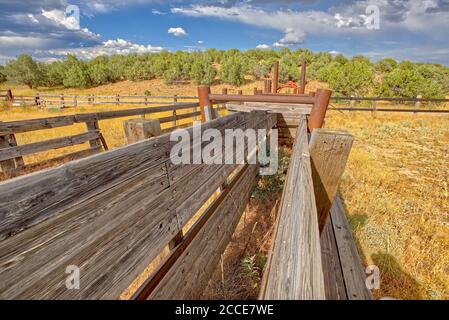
(110, 47)
(263, 46)
(177, 32)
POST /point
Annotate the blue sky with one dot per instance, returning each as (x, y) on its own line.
(407, 29)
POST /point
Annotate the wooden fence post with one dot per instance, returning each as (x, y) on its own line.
(96, 143)
(37, 99)
(117, 100)
(329, 152)
(175, 102)
(418, 102)
(141, 129)
(373, 107)
(316, 118)
(6, 165)
(352, 102)
(75, 101)
(62, 101)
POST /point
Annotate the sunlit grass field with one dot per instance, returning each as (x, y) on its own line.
(395, 188)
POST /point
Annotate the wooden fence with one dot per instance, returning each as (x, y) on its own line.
(11, 154)
(73, 101)
(113, 213)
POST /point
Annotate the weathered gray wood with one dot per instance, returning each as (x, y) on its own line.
(287, 110)
(18, 151)
(191, 272)
(333, 275)
(111, 237)
(109, 214)
(93, 126)
(140, 129)
(295, 269)
(64, 158)
(9, 164)
(61, 121)
(351, 265)
(329, 152)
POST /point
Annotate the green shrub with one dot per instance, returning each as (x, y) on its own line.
(202, 72)
(233, 71)
(24, 70)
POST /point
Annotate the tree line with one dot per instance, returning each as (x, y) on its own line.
(357, 76)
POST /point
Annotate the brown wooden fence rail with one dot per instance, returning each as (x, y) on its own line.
(11, 154)
(73, 101)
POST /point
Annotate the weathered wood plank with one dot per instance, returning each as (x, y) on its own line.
(329, 152)
(295, 268)
(333, 276)
(27, 200)
(188, 277)
(353, 273)
(119, 224)
(18, 151)
(61, 121)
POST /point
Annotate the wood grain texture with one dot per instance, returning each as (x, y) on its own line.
(61, 121)
(18, 151)
(351, 264)
(192, 270)
(329, 152)
(333, 275)
(295, 269)
(110, 214)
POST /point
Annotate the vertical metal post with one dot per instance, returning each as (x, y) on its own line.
(62, 101)
(175, 102)
(204, 102)
(316, 118)
(276, 77)
(302, 88)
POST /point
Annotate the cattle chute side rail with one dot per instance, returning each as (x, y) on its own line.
(111, 214)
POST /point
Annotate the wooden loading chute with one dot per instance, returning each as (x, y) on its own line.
(113, 213)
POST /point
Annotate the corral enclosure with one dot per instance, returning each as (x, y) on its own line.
(347, 194)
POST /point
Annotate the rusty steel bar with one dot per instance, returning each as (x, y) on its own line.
(272, 98)
(311, 94)
(240, 92)
(276, 77)
(316, 118)
(269, 85)
(204, 102)
(255, 90)
(302, 88)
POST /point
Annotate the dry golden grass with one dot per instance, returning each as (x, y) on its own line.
(395, 189)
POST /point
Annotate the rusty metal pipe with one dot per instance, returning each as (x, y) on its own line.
(204, 101)
(263, 98)
(316, 118)
(302, 88)
(276, 77)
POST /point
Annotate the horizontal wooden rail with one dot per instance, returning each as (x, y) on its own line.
(36, 147)
(390, 99)
(62, 121)
(391, 110)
